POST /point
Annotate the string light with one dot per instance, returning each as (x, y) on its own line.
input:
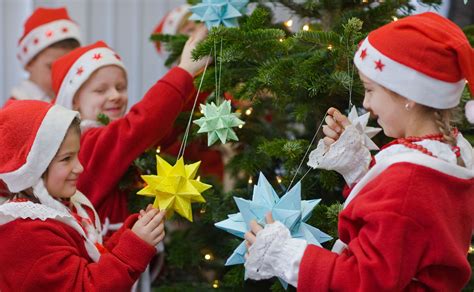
(208, 257)
(306, 27)
(471, 249)
(281, 40)
(288, 23)
(240, 126)
(158, 150)
(215, 284)
(394, 18)
(330, 47)
(279, 180)
(365, 1)
(249, 111)
(201, 111)
(250, 180)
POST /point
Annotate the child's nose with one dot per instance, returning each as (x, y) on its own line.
(79, 168)
(366, 103)
(114, 95)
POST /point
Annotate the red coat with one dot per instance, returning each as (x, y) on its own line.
(107, 152)
(407, 227)
(51, 256)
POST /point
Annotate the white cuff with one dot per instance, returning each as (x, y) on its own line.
(348, 155)
(275, 254)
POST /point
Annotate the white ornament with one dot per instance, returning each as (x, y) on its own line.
(360, 123)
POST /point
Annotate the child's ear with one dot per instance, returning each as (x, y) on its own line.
(75, 103)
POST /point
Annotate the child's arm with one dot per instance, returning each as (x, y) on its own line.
(342, 149)
(56, 259)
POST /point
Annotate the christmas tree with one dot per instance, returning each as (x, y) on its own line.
(289, 78)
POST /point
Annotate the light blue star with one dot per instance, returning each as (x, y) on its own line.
(290, 210)
(217, 12)
(218, 122)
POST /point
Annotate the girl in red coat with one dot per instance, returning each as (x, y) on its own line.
(408, 221)
(93, 80)
(50, 232)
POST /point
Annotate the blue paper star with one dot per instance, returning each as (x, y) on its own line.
(216, 12)
(290, 210)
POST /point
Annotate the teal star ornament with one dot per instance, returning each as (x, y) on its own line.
(290, 210)
(217, 12)
(218, 122)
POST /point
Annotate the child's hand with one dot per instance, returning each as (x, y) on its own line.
(255, 228)
(150, 226)
(335, 125)
(187, 63)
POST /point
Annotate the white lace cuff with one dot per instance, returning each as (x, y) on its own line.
(348, 155)
(275, 254)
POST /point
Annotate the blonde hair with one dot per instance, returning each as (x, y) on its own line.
(443, 119)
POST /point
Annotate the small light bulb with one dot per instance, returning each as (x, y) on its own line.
(289, 23)
(365, 1)
(394, 18)
(281, 40)
(158, 149)
(250, 180)
(330, 47)
(305, 27)
(248, 112)
(215, 284)
(471, 249)
(201, 111)
(208, 257)
(241, 126)
(279, 180)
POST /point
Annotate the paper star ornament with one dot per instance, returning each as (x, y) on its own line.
(360, 123)
(217, 12)
(174, 187)
(218, 122)
(290, 210)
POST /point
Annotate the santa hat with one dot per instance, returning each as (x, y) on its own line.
(425, 58)
(171, 22)
(31, 133)
(73, 69)
(43, 28)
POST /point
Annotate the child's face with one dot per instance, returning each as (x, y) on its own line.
(61, 177)
(104, 92)
(388, 109)
(40, 68)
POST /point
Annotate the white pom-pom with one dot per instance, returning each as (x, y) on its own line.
(469, 108)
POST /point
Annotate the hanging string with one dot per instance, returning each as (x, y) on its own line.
(307, 150)
(186, 133)
(350, 72)
(215, 73)
(220, 71)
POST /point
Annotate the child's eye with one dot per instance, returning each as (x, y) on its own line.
(66, 158)
(100, 90)
(121, 87)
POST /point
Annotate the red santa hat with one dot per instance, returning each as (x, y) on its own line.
(43, 28)
(425, 58)
(73, 69)
(171, 22)
(31, 133)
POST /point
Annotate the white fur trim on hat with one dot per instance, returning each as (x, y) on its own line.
(407, 81)
(82, 69)
(44, 36)
(469, 109)
(174, 18)
(47, 141)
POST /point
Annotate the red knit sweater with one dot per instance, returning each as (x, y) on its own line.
(106, 152)
(50, 256)
(409, 220)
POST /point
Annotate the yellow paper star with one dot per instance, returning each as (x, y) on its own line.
(174, 187)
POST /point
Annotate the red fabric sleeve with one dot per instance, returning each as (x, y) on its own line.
(107, 152)
(58, 261)
(111, 242)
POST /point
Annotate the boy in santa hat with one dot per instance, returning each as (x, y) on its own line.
(49, 232)
(93, 80)
(49, 33)
(407, 223)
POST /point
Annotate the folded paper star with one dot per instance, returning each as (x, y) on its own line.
(290, 210)
(218, 122)
(360, 124)
(217, 12)
(174, 187)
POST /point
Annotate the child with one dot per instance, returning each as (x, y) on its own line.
(92, 80)
(48, 230)
(408, 222)
(49, 33)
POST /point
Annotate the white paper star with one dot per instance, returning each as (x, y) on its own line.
(360, 123)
